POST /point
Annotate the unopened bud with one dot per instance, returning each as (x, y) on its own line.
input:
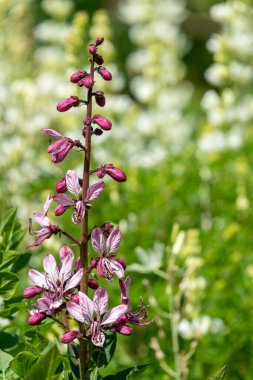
(78, 75)
(100, 172)
(69, 336)
(103, 122)
(98, 59)
(87, 121)
(66, 104)
(99, 40)
(75, 298)
(98, 132)
(54, 229)
(100, 98)
(36, 318)
(122, 319)
(61, 186)
(105, 74)
(87, 82)
(122, 262)
(117, 174)
(92, 49)
(32, 291)
(107, 228)
(59, 210)
(93, 284)
(122, 329)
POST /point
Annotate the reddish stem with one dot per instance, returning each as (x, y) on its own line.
(71, 237)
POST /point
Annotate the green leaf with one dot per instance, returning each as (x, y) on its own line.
(102, 356)
(127, 373)
(8, 220)
(16, 238)
(5, 360)
(6, 258)
(220, 375)
(35, 342)
(23, 362)
(8, 340)
(8, 283)
(72, 360)
(44, 368)
(21, 262)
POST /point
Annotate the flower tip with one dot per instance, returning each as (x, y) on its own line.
(99, 40)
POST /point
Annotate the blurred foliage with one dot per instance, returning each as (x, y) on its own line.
(181, 106)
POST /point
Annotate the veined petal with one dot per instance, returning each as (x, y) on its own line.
(52, 133)
(76, 311)
(39, 218)
(115, 266)
(113, 240)
(38, 278)
(98, 240)
(124, 287)
(79, 212)
(72, 182)
(86, 305)
(100, 301)
(66, 269)
(64, 252)
(51, 267)
(47, 204)
(98, 337)
(112, 315)
(74, 280)
(94, 191)
(43, 304)
(63, 199)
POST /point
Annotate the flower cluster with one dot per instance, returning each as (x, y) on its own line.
(62, 289)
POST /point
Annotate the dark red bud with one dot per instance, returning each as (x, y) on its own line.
(61, 186)
(75, 298)
(99, 40)
(105, 74)
(93, 263)
(54, 229)
(87, 121)
(93, 284)
(117, 174)
(107, 228)
(87, 82)
(122, 262)
(59, 210)
(32, 291)
(92, 49)
(78, 75)
(66, 104)
(98, 132)
(100, 98)
(122, 319)
(98, 59)
(122, 329)
(100, 172)
(103, 122)
(36, 319)
(69, 336)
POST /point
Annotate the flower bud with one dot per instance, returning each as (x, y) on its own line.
(122, 262)
(92, 49)
(100, 172)
(99, 40)
(122, 319)
(61, 186)
(36, 318)
(87, 82)
(105, 74)
(98, 59)
(75, 298)
(93, 264)
(93, 284)
(98, 132)
(78, 75)
(66, 104)
(54, 229)
(100, 98)
(87, 121)
(103, 123)
(122, 329)
(107, 228)
(117, 174)
(59, 210)
(69, 336)
(32, 291)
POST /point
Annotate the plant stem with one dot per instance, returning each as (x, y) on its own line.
(71, 237)
(84, 345)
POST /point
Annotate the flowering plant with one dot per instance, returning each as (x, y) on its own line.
(63, 289)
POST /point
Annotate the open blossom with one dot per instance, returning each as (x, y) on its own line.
(108, 265)
(95, 314)
(57, 280)
(60, 148)
(47, 229)
(136, 318)
(79, 205)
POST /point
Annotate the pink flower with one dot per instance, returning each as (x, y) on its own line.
(69, 336)
(32, 291)
(47, 229)
(79, 205)
(36, 317)
(59, 149)
(66, 104)
(58, 280)
(107, 265)
(105, 74)
(78, 75)
(94, 314)
(103, 123)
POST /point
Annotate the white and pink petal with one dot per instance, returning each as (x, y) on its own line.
(98, 240)
(113, 241)
(72, 182)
